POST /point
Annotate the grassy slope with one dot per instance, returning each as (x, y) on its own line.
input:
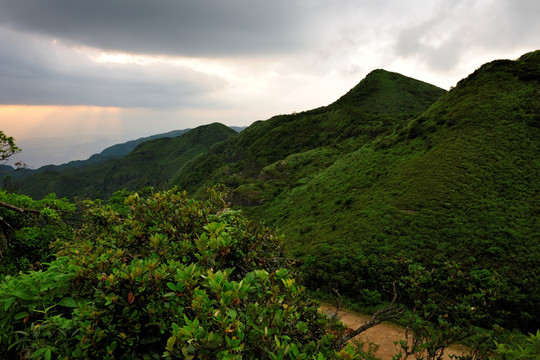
(239, 160)
(150, 164)
(458, 183)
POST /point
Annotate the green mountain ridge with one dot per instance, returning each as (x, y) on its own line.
(385, 92)
(365, 112)
(458, 183)
(149, 164)
(112, 152)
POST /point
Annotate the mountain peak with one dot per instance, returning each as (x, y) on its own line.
(386, 92)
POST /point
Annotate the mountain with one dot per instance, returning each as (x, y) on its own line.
(41, 151)
(151, 163)
(5, 169)
(458, 183)
(385, 92)
(120, 150)
(265, 142)
(112, 152)
(397, 172)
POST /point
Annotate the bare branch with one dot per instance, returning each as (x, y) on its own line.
(338, 305)
(19, 209)
(387, 313)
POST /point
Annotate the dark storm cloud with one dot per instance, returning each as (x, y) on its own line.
(249, 39)
(36, 72)
(169, 27)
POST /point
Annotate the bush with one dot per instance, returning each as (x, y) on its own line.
(171, 278)
(28, 227)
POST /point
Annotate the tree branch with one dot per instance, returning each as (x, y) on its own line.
(338, 306)
(19, 209)
(381, 315)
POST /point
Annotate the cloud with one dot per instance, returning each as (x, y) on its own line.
(39, 72)
(227, 54)
(191, 50)
(165, 27)
(457, 29)
(512, 24)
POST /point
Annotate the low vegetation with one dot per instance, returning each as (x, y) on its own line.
(163, 276)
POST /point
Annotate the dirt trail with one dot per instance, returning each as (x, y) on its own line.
(383, 334)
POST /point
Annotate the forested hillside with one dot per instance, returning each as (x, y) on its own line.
(372, 108)
(112, 152)
(151, 163)
(361, 190)
(458, 183)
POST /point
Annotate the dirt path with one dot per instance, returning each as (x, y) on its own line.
(383, 334)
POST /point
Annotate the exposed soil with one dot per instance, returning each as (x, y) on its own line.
(383, 335)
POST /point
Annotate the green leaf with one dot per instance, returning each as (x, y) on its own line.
(171, 286)
(8, 302)
(23, 294)
(21, 315)
(170, 343)
(68, 302)
(39, 352)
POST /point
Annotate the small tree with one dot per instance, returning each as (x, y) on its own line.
(7, 146)
(448, 303)
(27, 226)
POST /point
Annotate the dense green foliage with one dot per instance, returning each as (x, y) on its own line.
(163, 277)
(457, 183)
(28, 227)
(152, 163)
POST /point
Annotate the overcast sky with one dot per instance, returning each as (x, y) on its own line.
(106, 71)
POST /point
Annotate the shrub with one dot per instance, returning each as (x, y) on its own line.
(28, 227)
(170, 278)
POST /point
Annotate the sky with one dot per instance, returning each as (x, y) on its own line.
(77, 76)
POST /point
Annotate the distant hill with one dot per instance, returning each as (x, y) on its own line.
(4, 169)
(151, 163)
(120, 150)
(112, 152)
